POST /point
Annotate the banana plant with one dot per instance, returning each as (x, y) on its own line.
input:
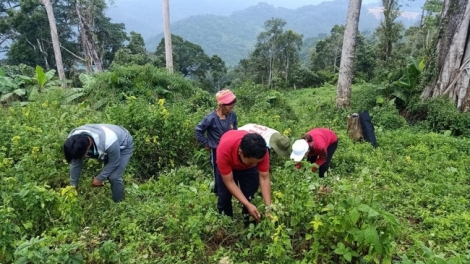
(10, 89)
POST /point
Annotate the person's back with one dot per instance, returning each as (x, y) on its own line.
(274, 139)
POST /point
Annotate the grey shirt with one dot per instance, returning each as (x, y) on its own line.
(109, 140)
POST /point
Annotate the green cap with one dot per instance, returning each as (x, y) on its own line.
(280, 144)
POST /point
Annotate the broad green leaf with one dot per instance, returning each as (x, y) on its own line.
(20, 92)
(340, 249)
(372, 237)
(50, 74)
(354, 215)
(40, 76)
(372, 213)
(348, 256)
(364, 208)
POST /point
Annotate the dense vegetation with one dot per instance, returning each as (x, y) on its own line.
(404, 202)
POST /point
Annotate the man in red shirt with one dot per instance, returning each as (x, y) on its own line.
(319, 144)
(243, 159)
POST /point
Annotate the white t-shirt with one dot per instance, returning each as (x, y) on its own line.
(265, 132)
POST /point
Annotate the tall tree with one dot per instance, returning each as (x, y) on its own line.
(290, 43)
(25, 27)
(167, 33)
(327, 55)
(190, 59)
(343, 91)
(134, 53)
(268, 44)
(89, 46)
(389, 29)
(453, 56)
(55, 41)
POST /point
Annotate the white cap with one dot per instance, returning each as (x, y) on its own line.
(299, 148)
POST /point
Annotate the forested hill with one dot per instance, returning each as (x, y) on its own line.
(233, 37)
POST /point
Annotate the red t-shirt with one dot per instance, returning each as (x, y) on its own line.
(227, 154)
(322, 138)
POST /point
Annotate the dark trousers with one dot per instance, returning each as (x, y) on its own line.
(323, 168)
(115, 178)
(215, 170)
(247, 180)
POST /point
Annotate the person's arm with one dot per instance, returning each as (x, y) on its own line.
(114, 156)
(201, 129)
(75, 170)
(265, 185)
(233, 188)
(321, 157)
(264, 179)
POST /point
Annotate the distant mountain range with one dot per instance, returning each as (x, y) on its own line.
(232, 37)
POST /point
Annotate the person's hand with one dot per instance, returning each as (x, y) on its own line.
(96, 183)
(298, 165)
(207, 148)
(254, 212)
(314, 169)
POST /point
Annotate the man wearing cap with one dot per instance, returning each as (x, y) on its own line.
(319, 144)
(242, 159)
(214, 125)
(274, 140)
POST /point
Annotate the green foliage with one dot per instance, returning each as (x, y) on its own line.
(23, 88)
(405, 201)
(190, 60)
(440, 115)
(275, 56)
(162, 136)
(133, 54)
(144, 81)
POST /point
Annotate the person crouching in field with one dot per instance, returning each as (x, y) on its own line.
(110, 143)
(319, 144)
(214, 125)
(242, 159)
(274, 140)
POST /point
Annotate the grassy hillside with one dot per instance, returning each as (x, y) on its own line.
(405, 201)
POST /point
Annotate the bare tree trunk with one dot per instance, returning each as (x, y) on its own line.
(44, 54)
(166, 30)
(55, 41)
(453, 61)
(90, 47)
(343, 91)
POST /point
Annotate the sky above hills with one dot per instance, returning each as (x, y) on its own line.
(145, 16)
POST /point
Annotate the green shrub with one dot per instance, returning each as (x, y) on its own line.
(144, 81)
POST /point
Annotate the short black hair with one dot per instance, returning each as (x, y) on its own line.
(253, 146)
(75, 147)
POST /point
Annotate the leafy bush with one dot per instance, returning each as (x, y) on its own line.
(144, 81)
(441, 115)
(163, 135)
(387, 116)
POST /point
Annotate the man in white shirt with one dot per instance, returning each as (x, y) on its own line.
(274, 140)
